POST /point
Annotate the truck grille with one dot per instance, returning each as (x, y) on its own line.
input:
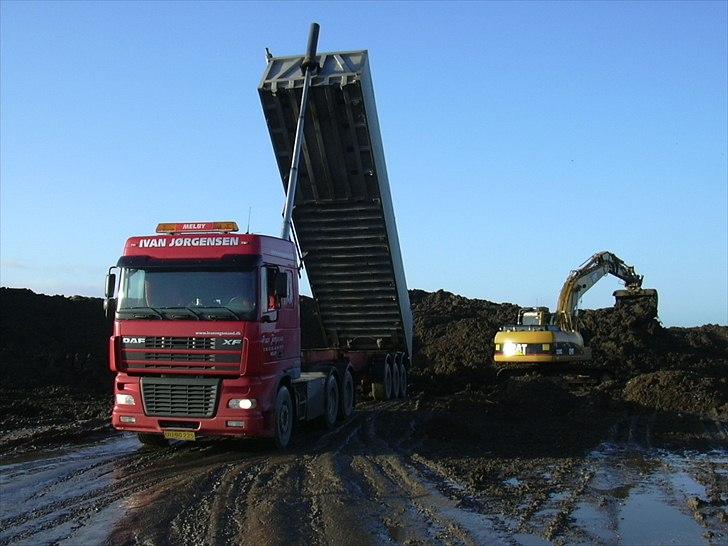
(214, 355)
(179, 397)
(179, 343)
(183, 357)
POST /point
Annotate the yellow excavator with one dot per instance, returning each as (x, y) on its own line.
(540, 336)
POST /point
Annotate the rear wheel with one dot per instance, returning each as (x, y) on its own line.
(383, 390)
(331, 408)
(152, 440)
(395, 380)
(402, 381)
(283, 418)
(348, 397)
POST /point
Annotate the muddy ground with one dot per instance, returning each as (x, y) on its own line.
(631, 449)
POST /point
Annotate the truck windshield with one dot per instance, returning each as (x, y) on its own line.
(187, 294)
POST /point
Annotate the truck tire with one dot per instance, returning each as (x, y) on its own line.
(383, 390)
(331, 402)
(152, 440)
(402, 381)
(348, 397)
(283, 418)
(395, 380)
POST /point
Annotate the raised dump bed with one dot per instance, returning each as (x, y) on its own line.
(343, 215)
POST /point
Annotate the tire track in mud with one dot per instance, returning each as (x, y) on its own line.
(359, 483)
(415, 507)
(369, 480)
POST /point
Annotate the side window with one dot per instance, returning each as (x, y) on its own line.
(287, 302)
(272, 300)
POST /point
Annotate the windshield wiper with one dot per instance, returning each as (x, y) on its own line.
(133, 310)
(188, 309)
(227, 310)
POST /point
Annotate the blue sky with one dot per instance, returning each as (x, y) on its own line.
(520, 137)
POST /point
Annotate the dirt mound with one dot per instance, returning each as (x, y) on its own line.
(674, 390)
(53, 340)
(453, 338)
(628, 339)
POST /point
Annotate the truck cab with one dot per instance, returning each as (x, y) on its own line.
(206, 330)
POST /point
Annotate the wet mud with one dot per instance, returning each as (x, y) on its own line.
(385, 477)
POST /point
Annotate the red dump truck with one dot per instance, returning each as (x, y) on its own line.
(207, 331)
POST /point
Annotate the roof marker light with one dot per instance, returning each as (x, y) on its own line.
(197, 227)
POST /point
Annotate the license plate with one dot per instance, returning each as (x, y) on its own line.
(180, 435)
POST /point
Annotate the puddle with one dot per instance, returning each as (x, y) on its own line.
(639, 496)
(649, 518)
(51, 500)
(483, 528)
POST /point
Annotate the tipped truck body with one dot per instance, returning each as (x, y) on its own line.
(343, 216)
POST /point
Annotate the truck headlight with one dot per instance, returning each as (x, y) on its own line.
(242, 403)
(509, 349)
(125, 400)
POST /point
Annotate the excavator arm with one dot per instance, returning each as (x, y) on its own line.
(587, 275)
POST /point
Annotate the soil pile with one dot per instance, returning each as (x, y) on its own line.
(453, 350)
(55, 382)
(629, 339)
(53, 340)
(679, 391)
(453, 338)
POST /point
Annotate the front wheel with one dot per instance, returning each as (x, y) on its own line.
(283, 418)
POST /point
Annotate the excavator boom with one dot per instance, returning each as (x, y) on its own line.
(587, 275)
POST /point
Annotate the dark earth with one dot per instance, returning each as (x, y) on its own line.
(631, 448)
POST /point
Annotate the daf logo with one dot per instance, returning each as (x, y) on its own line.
(134, 339)
(231, 341)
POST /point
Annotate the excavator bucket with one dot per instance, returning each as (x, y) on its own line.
(629, 296)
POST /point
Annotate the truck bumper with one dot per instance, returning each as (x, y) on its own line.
(254, 423)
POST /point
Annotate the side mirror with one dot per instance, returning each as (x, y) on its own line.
(270, 316)
(110, 285)
(109, 301)
(281, 285)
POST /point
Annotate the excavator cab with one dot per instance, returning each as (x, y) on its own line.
(534, 316)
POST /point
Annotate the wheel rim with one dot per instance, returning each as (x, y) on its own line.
(284, 418)
(348, 394)
(387, 380)
(395, 380)
(333, 402)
